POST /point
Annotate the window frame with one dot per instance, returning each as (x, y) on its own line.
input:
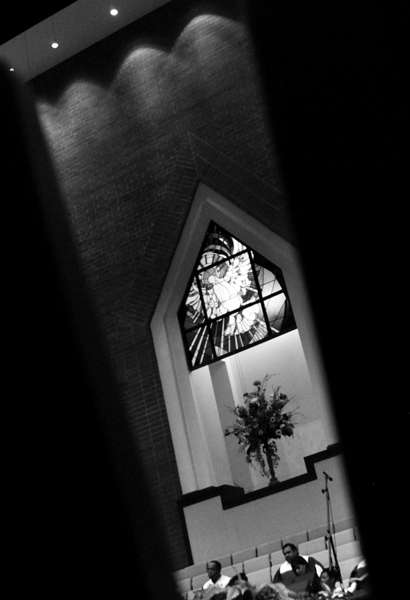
(255, 259)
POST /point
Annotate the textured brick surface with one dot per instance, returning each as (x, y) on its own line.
(134, 123)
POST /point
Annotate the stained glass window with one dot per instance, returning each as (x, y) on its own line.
(235, 299)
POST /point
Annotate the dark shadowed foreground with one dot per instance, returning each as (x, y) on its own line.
(79, 515)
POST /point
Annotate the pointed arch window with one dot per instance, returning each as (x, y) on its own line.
(235, 299)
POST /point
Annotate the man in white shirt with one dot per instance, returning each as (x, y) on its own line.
(216, 579)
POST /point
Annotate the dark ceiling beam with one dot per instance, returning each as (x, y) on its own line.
(16, 18)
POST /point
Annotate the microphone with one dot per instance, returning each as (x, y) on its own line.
(328, 476)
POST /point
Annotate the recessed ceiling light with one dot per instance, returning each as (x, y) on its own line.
(113, 12)
(54, 44)
(11, 69)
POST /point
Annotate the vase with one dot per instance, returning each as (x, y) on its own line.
(273, 480)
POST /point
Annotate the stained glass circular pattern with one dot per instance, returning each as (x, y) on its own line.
(235, 299)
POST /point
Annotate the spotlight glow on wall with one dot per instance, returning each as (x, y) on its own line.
(113, 12)
(54, 45)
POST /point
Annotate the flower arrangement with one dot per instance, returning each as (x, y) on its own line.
(260, 421)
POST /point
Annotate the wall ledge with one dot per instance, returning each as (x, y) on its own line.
(232, 495)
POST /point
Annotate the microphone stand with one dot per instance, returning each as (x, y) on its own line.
(330, 532)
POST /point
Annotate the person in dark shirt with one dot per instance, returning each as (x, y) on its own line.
(238, 579)
(290, 571)
(359, 584)
(306, 580)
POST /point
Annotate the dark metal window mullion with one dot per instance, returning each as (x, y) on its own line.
(255, 275)
(236, 310)
(207, 320)
(220, 262)
(233, 312)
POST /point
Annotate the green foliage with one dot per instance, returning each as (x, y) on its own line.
(260, 421)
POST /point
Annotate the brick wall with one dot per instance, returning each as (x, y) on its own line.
(133, 124)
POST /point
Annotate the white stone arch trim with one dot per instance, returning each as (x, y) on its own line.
(196, 467)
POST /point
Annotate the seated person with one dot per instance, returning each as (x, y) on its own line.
(359, 584)
(214, 593)
(330, 586)
(274, 591)
(215, 576)
(302, 577)
(286, 573)
(234, 592)
(240, 582)
(238, 579)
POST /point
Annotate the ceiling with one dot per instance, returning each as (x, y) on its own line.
(26, 33)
